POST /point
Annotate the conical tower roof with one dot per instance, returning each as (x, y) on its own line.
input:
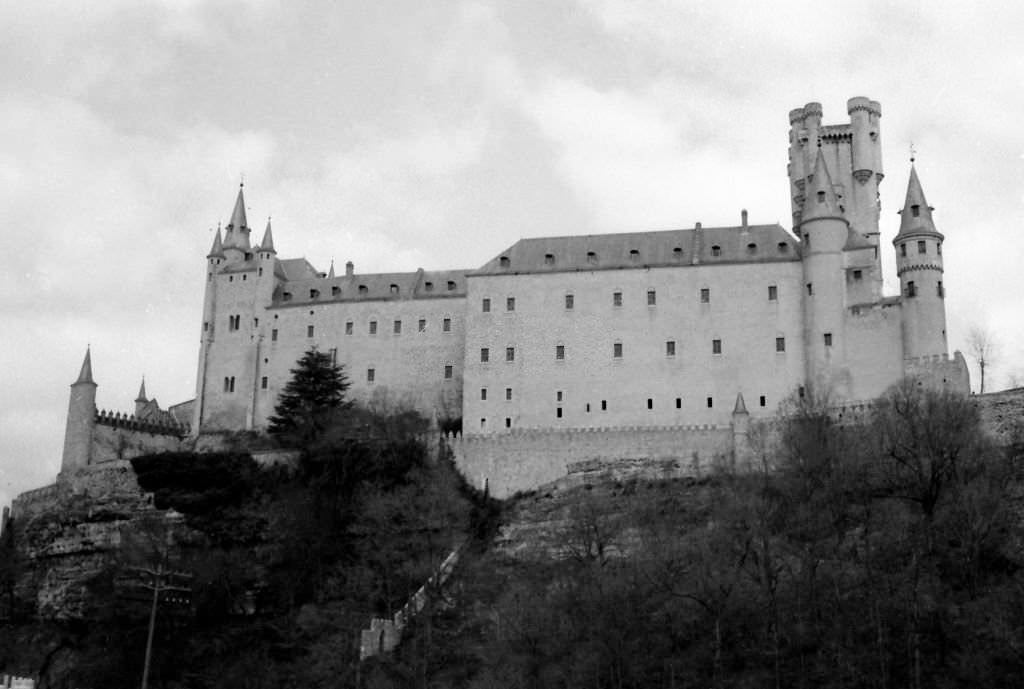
(916, 216)
(85, 375)
(268, 240)
(217, 250)
(331, 273)
(237, 231)
(142, 392)
(822, 201)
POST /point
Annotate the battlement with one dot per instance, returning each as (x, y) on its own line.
(133, 423)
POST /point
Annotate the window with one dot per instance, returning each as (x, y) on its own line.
(716, 346)
(558, 412)
(710, 403)
(255, 322)
(333, 351)
(447, 371)
(394, 289)
(373, 327)
(273, 335)
(335, 291)
(451, 285)
(486, 305)
(510, 304)
(510, 353)
(508, 422)
(314, 294)
(504, 262)
(705, 295)
(858, 275)
(617, 350)
(911, 289)
(903, 249)
(821, 197)
(938, 248)
(828, 339)
(604, 405)
(232, 385)
(670, 348)
(371, 374)
(398, 327)
(650, 403)
(558, 396)
(679, 402)
(234, 322)
(939, 291)
(422, 325)
(559, 352)
(309, 331)
(549, 259)
(807, 241)
(348, 327)
(922, 248)
(751, 249)
(483, 423)
(363, 289)
(483, 394)
(634, 255)
(616, 298)
(783, 247)
(763, 401)
(810, 289)
(485, 355)
(227, 384)
(263, 383)
(677, 253)
(446, 325)
(569, 302)
(591, 258)
(716, 250)
(428, 286)
(652, 297)
(773, 293)
(915, 211)
(508, 394)
(780, 344)
(206, 326)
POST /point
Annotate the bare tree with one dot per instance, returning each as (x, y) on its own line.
(982, 346)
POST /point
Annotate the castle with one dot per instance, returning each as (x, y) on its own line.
(563, 350)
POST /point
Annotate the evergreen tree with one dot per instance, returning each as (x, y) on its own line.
(315, 391)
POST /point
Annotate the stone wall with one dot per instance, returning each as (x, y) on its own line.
(1003, 412)
(112, 442)
(523, 459)
(941, 371)
(11, 682)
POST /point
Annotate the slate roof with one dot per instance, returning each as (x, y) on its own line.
(712, 245)
(421, 284)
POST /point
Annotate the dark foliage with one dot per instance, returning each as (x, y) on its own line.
(315, 391)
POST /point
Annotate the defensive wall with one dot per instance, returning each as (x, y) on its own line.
(940, 371)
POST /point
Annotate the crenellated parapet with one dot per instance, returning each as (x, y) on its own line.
(133, 423)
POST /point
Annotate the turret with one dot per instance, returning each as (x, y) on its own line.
(81, 419)
(236, 235)
(140, 400)
(919, 266)
(823, 231)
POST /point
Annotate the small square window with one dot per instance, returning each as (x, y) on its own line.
(371, 374)
(591, 258)
(828, 339)
(705, 295)
(549, 259)
(428, 286)
(559, 352)
(348, 327)
(486, 305)
(273, 335)
(670, 348)
(373, 327)
(309, 331)
(448, 372)
(780, 344)
(422, 325)
(510, 304)
(504, 262)
(617, 350)
(911, 289)
(773, 293)
(510, 353)
(616, 298)
(858, 275)
(485, 354)
(652, 297)
(483, 394)
(716, 250)
(446, 325)
(451, 285)
(716, 346)
(569, 302)
(394, 289)
(398, 327)
(508, 394)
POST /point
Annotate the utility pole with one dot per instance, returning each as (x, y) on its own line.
(160, 580)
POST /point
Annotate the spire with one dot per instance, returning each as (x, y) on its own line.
(916, 216)
(142, 391)
(238, 220)
(331, 273)
(85, 375)
(822, 201)
(741, 406)
(237, 232)
(268, 239)
(217, 250)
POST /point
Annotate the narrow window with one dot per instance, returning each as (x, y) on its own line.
(273, 335)
(309, 331)
(559, 352)
(821, 197)
(634, 255)
(263, 383)
(508, 422)
(763, 401)
(232, 387)
(915, 211)
(558, 396)
(446, 325)
(903, 249)
(616, 298)
(828, 339)
(483, 394)
(348, 327)
(679, 402)
(604, 405)
(255, 322)
(670, 348)
(801, 392)
(370, 375)
(259, 272)
(335, 291)
(617, 350)
(650, 403)
(510, 353)
(716, 346)
(510, 304)
(333, 351)
(447, 371)
(422, 325)
(780, 344)
(508, 394)
(810, 289)
(486, 305)
(591, 258)
(588, 407)
(652, 297)
(373, 327)
(807, 241)
(773, 293)
(569, 302)
(398, 327)
(705, 295)
(483, 423)
(911, 289)
(938, 248)
(206, 326)
(485, 355)
(558, 412)
(922, 248)
(716, 250)
(227, 384)
(939, 290)
(710, 403)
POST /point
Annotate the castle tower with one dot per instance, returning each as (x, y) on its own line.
(823, 230)
(214, 259)
(81, 419)
(141, 401)
(919, 266)
(236, 235)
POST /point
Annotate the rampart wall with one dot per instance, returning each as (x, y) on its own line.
(523, 459)
(119, 437)
(940, 370)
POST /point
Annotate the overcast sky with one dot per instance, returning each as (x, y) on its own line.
(433, 134)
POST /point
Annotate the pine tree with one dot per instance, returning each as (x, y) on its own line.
(315, 391)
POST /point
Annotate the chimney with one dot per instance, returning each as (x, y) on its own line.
(743, 218)
(350, 269)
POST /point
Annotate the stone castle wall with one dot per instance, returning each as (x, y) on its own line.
(941, 371)
(113, 442)
(523, 459)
